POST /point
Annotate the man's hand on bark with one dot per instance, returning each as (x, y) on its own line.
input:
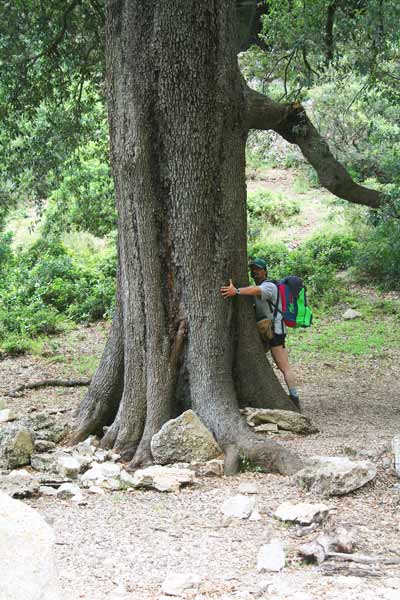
(228, 291)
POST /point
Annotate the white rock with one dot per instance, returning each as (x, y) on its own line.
(184, 439)
(163, 479)
(94, 489)
(101, 455)
(239, 506)
(248, 488)
(19, 483)
(255, 515)
(350, 313)
(68, 490)
(112, 484)
(46, 490)
(7, 415)
(27, 553)
(100, 472)
(176, 584)
(302, 512)
(127, 479)
(271, 557)
(68, 466)
(334, 475)
(88, 446)
(79, 499)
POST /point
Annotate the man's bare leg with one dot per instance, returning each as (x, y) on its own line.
(281, 358)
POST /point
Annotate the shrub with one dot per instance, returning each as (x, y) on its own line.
(265, 207)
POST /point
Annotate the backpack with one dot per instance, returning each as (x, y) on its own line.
(295, 310)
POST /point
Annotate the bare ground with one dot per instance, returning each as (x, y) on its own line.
(124, 544)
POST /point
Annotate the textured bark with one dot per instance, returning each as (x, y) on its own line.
(178, 127)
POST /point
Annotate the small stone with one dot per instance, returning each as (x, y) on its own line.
(44, 446)
(177, 584)
(350, 313)
(239, 506)
(248, 488)
(386, 462)
(271, 557)
(302, 512)
(68, 466)
(46, 490)
(163, 479)
(255, 516)
(396, 488)
(79, 500)
(68, 490)
(45, 462)
(100, 455)
(19, 484)
(112, 484)
(95, 489)
(7, 415)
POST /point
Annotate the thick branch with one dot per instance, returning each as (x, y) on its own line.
(292, 123)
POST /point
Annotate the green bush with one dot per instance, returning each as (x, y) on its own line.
(316, 260)
(48, 283)
(263, 208)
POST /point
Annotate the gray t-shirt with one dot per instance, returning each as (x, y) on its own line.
(269, 291)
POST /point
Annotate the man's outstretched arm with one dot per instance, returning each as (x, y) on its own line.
(231, 290)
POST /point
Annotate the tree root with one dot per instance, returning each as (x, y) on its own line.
(16, 393)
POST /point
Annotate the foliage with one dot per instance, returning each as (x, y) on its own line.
(265, 207)
(84, 199)
(46, 284)
(316, 260)
(362, 125)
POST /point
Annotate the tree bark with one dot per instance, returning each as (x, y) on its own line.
(178, 129)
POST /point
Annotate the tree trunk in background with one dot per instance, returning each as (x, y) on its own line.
(178, 133)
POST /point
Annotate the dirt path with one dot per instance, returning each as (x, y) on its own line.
(123, 545)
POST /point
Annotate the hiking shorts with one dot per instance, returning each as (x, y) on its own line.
(277, 340)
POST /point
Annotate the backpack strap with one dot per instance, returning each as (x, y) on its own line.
(274, 307)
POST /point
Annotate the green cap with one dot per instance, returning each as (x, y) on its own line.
(258, 262)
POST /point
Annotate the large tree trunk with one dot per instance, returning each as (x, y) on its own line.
(178, 133)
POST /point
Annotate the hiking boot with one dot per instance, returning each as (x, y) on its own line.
(296, 402)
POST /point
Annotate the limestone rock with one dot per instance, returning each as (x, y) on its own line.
(19, 484)
(267, 428)
(99, 473)
(210, 468)
(238, 507)
(45, 427)
(334, 476)
(177, 584)
(6, 415)
(26, 550)
(184, 439)
(68, 490)
(303, 512)
(44, 446)
(287, 420)
(271, 557)
(350, 313)
(46, 490)
(16, 446)
(46, 462)
(247, 487)
(68, 466)
(163, 479)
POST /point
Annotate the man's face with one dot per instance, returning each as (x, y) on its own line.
(257, 273)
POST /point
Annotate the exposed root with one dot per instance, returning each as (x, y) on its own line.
(269, 455)
(142, 458)
(232, 460)
(18, 391)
